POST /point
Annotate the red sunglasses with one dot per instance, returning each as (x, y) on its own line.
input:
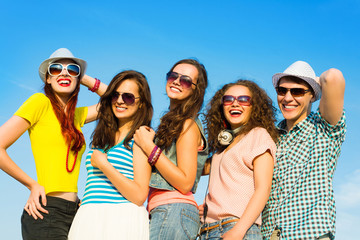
(242, 100)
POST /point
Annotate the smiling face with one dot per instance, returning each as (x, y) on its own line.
(122, 111)
(236, 114)
(294, 109)
(175, 91)
(63, 84)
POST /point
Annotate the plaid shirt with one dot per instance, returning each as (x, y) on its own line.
(301, 202)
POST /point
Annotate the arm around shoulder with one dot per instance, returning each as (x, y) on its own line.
(332, 100)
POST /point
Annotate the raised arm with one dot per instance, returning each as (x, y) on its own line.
(181, 176)
(332, 99)
(9, 133)
(92, 110)
(135, 190)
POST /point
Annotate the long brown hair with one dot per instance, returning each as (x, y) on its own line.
(66, 118)
(172, 122)
(103, 136)
(263, 114)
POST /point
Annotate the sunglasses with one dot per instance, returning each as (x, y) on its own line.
(295, 92)
(185, 81)
(242, 100)
(128, 98)
(55, 69)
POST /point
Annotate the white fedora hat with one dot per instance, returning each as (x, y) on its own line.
(302, 70)
(61, 53)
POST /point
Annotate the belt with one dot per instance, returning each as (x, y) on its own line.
(217, 225)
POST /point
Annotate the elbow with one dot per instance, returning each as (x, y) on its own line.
(333, 77)
(185, 189)
(139, 201)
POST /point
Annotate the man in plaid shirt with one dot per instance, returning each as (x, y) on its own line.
(301, 203)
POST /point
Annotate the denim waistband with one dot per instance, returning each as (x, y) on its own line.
(64, 205)
(220, 222)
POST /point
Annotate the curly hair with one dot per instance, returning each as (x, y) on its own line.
(172, 122)
(103, 136)
(263, 114)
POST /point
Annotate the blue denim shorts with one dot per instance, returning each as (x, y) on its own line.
(176, 221)
(253, 233)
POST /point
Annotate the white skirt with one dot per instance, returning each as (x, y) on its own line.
(109, 222)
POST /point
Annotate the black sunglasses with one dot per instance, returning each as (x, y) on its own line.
(55, 69)
(295, 92)
(128, 98)
(185, 81)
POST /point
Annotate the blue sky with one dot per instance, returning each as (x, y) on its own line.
(233, 39)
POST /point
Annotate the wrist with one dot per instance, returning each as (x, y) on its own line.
(154, 155)
(32, 185)
(96, 85)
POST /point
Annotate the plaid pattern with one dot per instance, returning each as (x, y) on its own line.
(302, 201)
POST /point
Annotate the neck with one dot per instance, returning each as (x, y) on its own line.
(173, 104)
(291, 123)
(63, 100)
(123, 130)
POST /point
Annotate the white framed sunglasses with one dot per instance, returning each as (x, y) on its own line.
(55, 69)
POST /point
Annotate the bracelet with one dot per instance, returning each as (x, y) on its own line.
(154, 155)
(96, 85)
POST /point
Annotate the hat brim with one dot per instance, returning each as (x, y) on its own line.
(312, 82)
(45, 64)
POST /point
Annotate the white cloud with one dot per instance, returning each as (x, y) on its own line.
(346, 225)
(347, 197)
(347, 194)
(23, 86)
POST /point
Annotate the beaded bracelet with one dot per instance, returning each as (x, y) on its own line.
(96, 85)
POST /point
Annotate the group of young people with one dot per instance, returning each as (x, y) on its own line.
(265, 182)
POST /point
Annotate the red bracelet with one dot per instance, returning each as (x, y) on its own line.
(154, 155)
(151, 156)
(96, 85)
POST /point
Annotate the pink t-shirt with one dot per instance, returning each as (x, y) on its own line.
(232, 176)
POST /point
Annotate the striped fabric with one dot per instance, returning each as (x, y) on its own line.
(98, 187)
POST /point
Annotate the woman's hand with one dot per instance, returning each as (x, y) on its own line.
(98, 158)
(201, 210)
(33, 206)
(144, 138)
(232, 234)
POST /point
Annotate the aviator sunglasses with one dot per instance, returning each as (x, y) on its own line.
(295, 92)
(128, 98)
(185, 81)
(55, 69)
(242, 100)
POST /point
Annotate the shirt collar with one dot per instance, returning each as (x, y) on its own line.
(282, 125)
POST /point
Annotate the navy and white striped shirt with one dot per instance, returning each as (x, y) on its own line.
(98, 187)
